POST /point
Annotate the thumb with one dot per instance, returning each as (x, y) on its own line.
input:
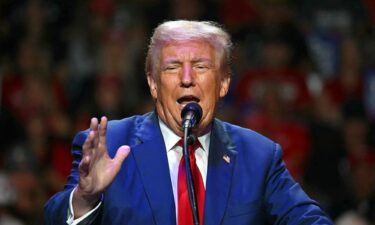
(122, 153)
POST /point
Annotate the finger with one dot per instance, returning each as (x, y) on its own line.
(94, 124)
(103, 131)
(88, 144)
(121, 154)
(94, 127)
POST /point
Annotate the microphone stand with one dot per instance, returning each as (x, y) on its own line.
(188, 140)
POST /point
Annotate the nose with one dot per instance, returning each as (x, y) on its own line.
(187, 75)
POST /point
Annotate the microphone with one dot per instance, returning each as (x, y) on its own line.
(191, 115)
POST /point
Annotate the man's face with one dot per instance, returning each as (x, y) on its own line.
(188, 72)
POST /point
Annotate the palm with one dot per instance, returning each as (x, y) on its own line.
(97, 169)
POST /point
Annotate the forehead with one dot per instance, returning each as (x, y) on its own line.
(188, 50)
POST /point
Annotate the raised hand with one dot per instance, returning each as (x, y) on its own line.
(96, 169)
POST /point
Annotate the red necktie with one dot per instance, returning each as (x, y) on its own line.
(185, 216)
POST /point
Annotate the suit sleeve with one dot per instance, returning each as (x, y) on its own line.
(286, 202)
(56, 209)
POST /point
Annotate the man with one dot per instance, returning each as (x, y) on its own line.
(127, 171)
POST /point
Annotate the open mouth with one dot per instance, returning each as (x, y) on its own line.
(187, 99)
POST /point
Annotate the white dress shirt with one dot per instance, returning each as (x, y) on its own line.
(174, 154)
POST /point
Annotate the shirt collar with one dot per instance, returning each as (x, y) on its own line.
(170, 138)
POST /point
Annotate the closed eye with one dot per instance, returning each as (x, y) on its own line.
(201, 67)
(171, 68)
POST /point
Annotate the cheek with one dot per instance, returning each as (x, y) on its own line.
(211, 95)
(166, 89)
(211, 91)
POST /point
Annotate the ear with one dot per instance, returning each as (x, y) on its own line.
(224, 85)
(152, 85)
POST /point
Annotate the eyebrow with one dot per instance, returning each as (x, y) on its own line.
(201, 60)
(194, 60)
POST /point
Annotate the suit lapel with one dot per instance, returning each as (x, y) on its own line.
(152, 162)
(221, 162)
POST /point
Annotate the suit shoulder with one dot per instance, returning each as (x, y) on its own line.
(246, 134)
(121, 127)
(126, 127)
(126, 123)
(251, 143)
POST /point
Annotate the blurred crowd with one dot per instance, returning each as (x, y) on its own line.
(303, 75)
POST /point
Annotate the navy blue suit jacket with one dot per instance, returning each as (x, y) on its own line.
(253, 188)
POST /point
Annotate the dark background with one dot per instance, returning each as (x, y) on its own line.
(303, 75)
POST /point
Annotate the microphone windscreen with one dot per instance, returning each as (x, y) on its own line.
(193, 112)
